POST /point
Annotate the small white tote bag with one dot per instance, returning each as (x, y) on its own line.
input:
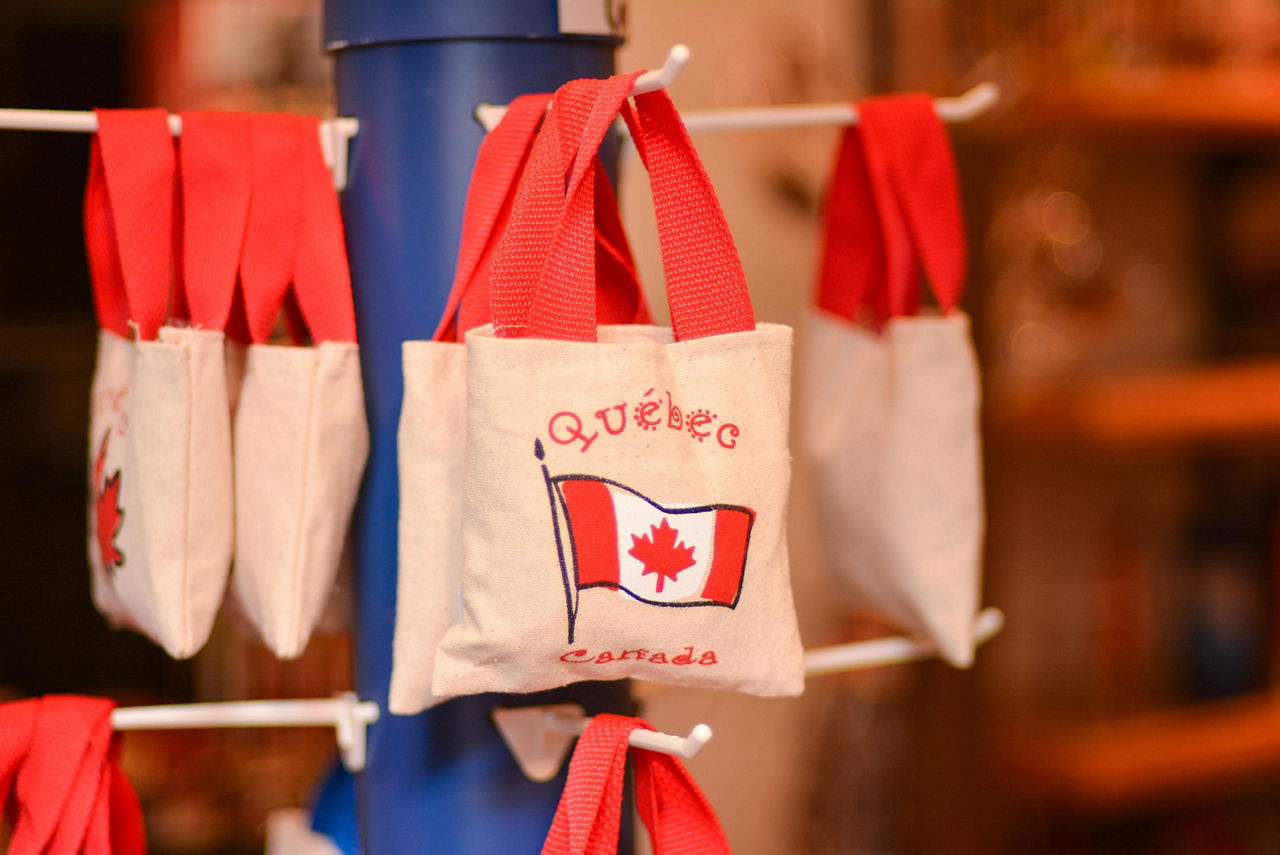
(432, 432)
(625, 487)
(889, 393)
(301, 437)
(160, 513)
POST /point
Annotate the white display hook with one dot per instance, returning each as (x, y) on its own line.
(962, 108)
(539, 737)
(335, 134)
(489, 115)
(345, 713)
(890, 651)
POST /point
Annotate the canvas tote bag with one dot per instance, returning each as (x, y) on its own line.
(673, 809)
(624, 487)
(301, 437)
(160, 524)
(890, 393)
(432, 432)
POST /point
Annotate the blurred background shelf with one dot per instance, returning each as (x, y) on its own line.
(1197, 751)
(1228, 402)
(1218, 101)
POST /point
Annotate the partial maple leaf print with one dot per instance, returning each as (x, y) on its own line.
(661, 554)
(107, 509)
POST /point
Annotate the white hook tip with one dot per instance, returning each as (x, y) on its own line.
(698, 737)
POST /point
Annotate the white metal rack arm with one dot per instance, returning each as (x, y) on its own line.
(961, 108)
(489, 115)
(895, 650)
(345, 713)
(540, 737)
(335, 134)
(650, 740)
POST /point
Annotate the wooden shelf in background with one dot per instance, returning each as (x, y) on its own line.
(1152, 757)
(1234, 401)
(1215, 101)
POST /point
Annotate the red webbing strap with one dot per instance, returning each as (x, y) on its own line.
(111, 304)
(136, 153)
(852, 265)
(17, 725)
(918, 162)
(499, 162)
(270, 252)
(322, 278)
(551, 231)
(619, 298)
(588, 818)
(59, 770)
(706, 288)
(673, 809)
(214, 153)
(898, 294)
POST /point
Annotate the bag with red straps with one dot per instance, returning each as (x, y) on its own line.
(300, 430)
(160, 495)
(674, 811)
(61, 780)
(890, 391)
(432, 433)
(625, 486)
(261, 232)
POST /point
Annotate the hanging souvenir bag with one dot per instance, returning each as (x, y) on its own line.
(301, 438)
(624, 487)
(159, 432)
(432, 432)
(890, 392)
(61, 779)
(674, 811)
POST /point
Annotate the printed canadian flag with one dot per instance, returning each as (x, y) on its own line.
(665, 556)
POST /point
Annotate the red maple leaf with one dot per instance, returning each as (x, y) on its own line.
(661, 554)
(107, 507)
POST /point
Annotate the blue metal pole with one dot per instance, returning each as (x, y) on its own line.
(412, 72)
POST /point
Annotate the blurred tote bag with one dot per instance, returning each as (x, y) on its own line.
(674, 811)
(889, 400)
(432, 432)
(301, 438)
(160, 530)
(625, 487)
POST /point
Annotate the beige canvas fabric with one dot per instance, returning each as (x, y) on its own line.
(301, 441)
(430, 446)
(888, 424)
(697, 427)
(160, 459)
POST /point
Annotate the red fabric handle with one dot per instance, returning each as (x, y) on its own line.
(893, 198)
(673, 809)
(852, 270)
(294, 235)
(270, 253)
(60, 774)
(706, 289)
(110, 302)
(215, 160)
(922, 172)
(502, 156)
(542, 234)
(132, 170)
(322, 280)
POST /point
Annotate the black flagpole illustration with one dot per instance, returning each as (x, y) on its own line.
(570, 589)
